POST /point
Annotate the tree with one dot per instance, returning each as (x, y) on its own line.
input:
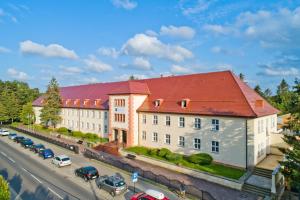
(132, 77)
(3, 114)
(10, 102)
(4, 189)
(51, 106)
(258, 90)
(27, 114)
(242, 76)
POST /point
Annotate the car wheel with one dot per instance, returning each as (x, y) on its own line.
(86, 179)
(112, 193)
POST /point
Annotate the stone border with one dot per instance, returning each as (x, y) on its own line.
(227, 182)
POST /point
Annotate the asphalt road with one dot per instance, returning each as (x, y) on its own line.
(32, 178)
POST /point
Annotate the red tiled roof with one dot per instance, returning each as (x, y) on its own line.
(215, 93)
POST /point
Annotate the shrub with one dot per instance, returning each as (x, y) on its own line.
(77, 134)
(4, 189)
(62, 130)
(200, 158)
(163, 152)
(153, 152)
(173, 157)
(138, 150)
(91, 136)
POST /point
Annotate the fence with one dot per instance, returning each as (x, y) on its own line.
(158, 178)
(74, 148)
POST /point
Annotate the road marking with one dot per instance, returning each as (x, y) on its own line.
(25, 170)
(11, 159)
(3, 154)
(33, 176)
(55, 193)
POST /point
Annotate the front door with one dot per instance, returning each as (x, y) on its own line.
(124, 137)
(116, 135)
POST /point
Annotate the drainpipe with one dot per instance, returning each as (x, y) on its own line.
(246, 144)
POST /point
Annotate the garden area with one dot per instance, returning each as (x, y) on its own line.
(201, 161)
(88, 137)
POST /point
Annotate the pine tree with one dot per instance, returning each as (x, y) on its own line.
(27, 114)
(4, 189)
(51, 106)
(242, 76)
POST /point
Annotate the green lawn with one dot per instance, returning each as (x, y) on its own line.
(213, 168)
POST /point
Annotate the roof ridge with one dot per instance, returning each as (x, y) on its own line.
(241, 90)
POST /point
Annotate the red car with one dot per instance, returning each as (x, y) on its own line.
(149, 195)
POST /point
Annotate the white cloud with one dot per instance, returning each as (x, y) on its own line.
(144, 45)
(223, 67)
(199, 6)
(278, 71)
(90, 80)
(180, 31)
(52, 50)
(177, 69)
(126, 4)
(108, 51)
(18, 75)
(151, 33)
(217, 29)
(142, 63)
(71, 70)
(125, 77)
(95, 65)
(4, 50)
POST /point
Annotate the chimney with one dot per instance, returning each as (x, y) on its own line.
(259, 103)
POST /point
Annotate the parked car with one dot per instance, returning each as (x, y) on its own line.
(87, 173)
(12, 136)
(149, 195)
(46, 153)
(26, 143)
(61, 160)
(36, 148)
(4, 132)
(114, 185)
(18, 139)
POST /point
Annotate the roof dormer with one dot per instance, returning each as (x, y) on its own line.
(184, 103)
(158, 102)
(68, 102)
(86, 102)
(97, 102)
(77, 102)
(259, 103)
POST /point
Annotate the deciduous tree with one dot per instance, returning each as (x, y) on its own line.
(27, 115)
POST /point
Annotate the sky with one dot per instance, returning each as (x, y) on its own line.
(83, 42)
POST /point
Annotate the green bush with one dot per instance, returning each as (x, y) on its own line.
(91, 136)
(138, 150)
(200, 158)
(173, 157)
(4, 189)
(163, 152)
(62, 130)
(77, 134)
(153, 152)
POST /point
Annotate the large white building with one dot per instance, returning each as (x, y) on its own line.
(215, 113)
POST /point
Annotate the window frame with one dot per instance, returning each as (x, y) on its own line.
(181, 123)
(144, 135)
(168, 139)
(195, 123)
(214, 147)
(154, 137)
(181, 143)
(197, 141)
(215, 125)
(168, 120)
(155, 120)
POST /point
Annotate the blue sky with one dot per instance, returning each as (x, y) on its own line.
(82, 42)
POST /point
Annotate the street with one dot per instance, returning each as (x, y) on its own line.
(31, 177)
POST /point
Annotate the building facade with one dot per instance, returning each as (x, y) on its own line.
(214, 113)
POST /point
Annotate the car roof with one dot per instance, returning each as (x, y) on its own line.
(47, 150)
(39, 145)
(89, 168)
(62, 156)
(155, 194)
(115, 178)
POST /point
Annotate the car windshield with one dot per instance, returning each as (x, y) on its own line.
(119, 184)
(65, 159)
(39, 146)
(93, 171)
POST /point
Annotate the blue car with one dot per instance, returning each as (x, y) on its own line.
(47, 153)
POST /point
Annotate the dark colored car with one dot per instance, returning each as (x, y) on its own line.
(18, 139)
(87, 173)
(36, 148)
(26, 143)
(46, 153)
(114, 185)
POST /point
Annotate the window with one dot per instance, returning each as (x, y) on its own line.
(168, 120)
(197, 123)
(119, 117)
(99, 114)
(154, 137)
(197, 143)
(93, 112)
(181, 122)
(215, 125)
(68, 112)
(99, 127)
(144, 136)
(105, 115)
(119, 102)
(168, 139)
(144, 119)
(155, 119)
(87, 125)
(157, 103)
(72, 112)
(215, 146)
(181, 141)
(183, 103)
(105, 129)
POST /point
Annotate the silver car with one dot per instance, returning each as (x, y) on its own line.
(115, 184)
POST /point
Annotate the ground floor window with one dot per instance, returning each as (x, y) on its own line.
(181, 141)
(197, 143)
(168, 139)
(215, 146)
(154, 137)
(144, 135)
(105, 129)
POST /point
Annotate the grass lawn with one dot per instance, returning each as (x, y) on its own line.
(213, 168)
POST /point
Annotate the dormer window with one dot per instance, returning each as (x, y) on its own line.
(86, 102)
(77, 102)
(158, 102)
(97, 102)
(184, 103)
(68, 102)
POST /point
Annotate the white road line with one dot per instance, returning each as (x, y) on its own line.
(11, 159)
(25, 170)
(3, 154)
(55, 193)
(33, 176)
